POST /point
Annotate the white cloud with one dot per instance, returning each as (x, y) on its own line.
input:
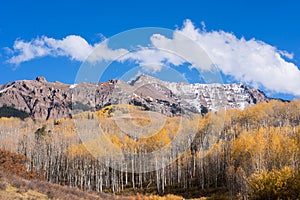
(286, 54)
(72, 46)
(182, 47)
(101, 52)
(28, 50)
(152, 59)
(163, 51)
(250, 61)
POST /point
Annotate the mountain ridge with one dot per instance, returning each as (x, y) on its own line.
(51, 100)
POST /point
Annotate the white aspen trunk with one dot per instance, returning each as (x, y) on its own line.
(157, 175)
(132, 175)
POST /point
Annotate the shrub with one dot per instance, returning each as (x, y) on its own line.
(16, 164)
(276, 184)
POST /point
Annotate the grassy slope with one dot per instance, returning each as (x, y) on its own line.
(15, 187)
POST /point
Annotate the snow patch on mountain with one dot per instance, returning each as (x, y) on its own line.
(5, 89)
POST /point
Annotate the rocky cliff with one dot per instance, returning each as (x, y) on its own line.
(51, 100)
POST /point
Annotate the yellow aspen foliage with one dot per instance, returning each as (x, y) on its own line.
(77, 151)
(276, 184)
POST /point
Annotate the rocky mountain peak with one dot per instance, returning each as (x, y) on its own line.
(47, 100)
(144, 79)
(41, 79)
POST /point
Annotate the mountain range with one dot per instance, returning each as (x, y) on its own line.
(40, 99)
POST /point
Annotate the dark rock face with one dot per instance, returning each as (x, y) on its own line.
(46, 100)
(38, 98)
(41, 79)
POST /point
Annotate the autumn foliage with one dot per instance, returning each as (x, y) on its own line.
(16, 164)
(256, 153)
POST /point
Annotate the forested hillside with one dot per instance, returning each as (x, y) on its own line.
(256, 154)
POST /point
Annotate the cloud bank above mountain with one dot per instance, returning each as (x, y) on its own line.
(252, 61)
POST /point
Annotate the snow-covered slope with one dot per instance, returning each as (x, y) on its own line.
(212, 96)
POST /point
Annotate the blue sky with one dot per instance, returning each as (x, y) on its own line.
(273, 27)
